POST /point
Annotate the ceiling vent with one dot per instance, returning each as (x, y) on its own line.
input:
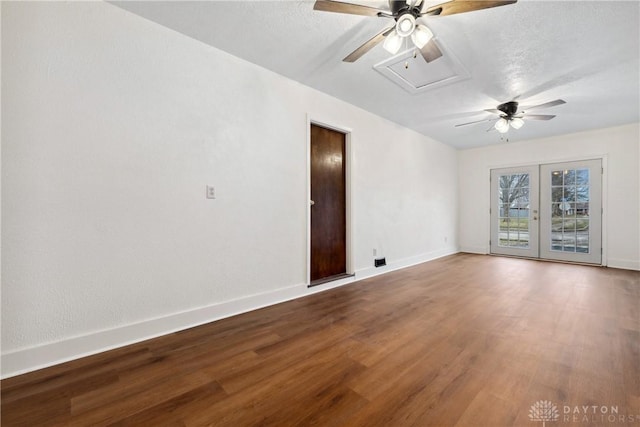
(416, 75)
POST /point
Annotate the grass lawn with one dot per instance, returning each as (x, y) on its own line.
(522, 224)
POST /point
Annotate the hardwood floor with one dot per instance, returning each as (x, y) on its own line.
(466, 340)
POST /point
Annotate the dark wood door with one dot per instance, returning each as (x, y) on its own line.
(328, 211)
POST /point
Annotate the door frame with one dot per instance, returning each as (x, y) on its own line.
(314, 120)
(539, 161)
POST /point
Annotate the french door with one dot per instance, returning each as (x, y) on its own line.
(572, 194)
(551, 211)
(514, 211)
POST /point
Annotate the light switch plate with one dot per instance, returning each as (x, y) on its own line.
(211, 192)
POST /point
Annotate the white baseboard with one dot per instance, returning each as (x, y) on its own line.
(403, 263)
(31, 359)
(626, 264)
(474, 249)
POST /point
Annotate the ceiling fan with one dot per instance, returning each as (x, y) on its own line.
(512, 115)
(406, 14)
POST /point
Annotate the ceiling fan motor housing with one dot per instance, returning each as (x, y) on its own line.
(397, 6)
(509, 108)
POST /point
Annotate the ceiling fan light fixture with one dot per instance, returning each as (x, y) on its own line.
(421, 36)
(517, 123)
(405, 25)
(392, 42)
(502, 125)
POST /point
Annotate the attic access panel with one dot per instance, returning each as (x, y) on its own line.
(421, 75)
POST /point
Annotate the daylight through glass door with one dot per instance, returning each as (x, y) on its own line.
(514, 209)
(551, 211)
(571, 211)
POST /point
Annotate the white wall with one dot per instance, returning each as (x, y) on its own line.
(112, 128)
(619, 147)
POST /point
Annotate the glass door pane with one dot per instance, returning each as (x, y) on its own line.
(514, 211)
(570, 229)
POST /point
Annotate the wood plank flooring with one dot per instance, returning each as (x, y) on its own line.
(466, 340)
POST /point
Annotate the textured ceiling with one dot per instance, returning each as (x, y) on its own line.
(585, 52)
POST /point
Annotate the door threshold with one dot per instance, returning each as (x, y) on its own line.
(329, 279)
(559, 261)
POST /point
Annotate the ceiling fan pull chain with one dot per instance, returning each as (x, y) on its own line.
(415, 55)
(406, 46)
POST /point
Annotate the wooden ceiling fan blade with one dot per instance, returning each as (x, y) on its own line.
(368, 45)
(462, 6)
(537, 117)
(545, 105)
(340, 7)
(493, 111)
(477, 121)
(431, 51)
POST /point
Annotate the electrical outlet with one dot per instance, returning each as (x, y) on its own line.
(211, 192)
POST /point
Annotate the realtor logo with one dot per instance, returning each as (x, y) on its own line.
(544, 410)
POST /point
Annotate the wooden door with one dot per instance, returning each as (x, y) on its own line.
(328, 210)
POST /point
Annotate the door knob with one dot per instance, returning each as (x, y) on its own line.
(311, 202)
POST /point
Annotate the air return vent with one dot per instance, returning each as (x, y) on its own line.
(379, 262)
(416, 75)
